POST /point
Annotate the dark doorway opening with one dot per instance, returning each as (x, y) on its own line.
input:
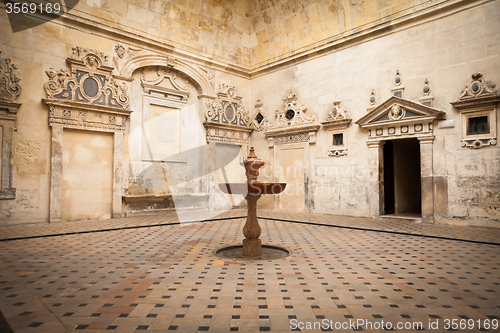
(402, 191)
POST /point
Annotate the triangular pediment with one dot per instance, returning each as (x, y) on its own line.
(396, 110)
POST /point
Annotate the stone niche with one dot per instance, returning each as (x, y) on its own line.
(478, 107)
(85, 98)
(9, 92)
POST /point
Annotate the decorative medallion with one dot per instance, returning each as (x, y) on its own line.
(397, 78)
(373, 99)
(396, 112)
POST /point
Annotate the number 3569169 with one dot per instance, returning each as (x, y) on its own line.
(25, 7)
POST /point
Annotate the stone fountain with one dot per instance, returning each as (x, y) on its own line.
(252, 189)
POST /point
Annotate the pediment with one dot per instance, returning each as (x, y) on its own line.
(400, 111)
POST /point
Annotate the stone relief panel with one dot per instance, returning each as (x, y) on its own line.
(292, 120)
(227, 119)
(10, 89)
(86, 96)
(478, 105)
(10, 77)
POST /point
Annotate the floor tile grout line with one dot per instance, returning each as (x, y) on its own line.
(116, 229)
(384, 231)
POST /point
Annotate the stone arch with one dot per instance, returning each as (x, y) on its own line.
(201, 82)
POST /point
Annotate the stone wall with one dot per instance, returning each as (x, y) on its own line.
(445, 51)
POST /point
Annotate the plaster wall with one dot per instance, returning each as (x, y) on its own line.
(87, 175)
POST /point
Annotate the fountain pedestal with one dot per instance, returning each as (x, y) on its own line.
(252, 189)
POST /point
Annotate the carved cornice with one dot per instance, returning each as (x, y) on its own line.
(77, 116)
(89, 81)
(9, 80)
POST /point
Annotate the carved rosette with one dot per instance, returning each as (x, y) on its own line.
(9, 80)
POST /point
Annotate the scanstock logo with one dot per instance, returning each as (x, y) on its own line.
(26, 14)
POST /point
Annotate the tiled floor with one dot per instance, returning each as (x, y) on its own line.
(151, 274)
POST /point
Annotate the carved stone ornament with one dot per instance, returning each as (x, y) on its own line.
(292, 120)
(478, 102)
(9, 80)
(478, 87)
(227, 119)
(337, 118)
(260, 118)
(400, 118)
(162, 74)
(9, 92)
(86, 96)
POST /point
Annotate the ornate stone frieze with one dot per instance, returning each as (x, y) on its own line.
(74, 117)
(478, 104)
(86, 96)
(227, 119)
(400, 118)
(292, 120)
(88, 82)
(9, 80)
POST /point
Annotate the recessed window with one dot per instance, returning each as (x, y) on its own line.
(478, 125)
(338, 139)
(259, 118)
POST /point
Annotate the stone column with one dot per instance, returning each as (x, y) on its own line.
(56, 170)
(117, 174)
(374, 189)
(6, 158)
(426, 174)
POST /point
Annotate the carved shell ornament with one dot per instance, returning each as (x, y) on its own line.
(396, 112)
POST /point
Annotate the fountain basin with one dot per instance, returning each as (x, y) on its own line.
(268, 252)
(253, 188)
